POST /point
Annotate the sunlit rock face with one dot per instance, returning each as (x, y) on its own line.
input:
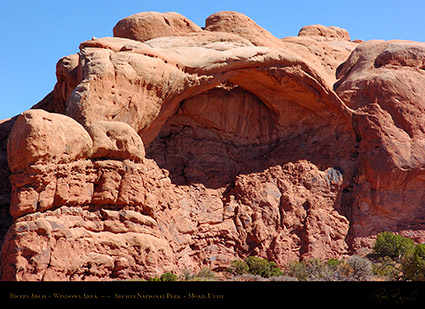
(170, 147)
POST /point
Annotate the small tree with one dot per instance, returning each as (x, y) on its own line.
(413, 264)
(392, 245)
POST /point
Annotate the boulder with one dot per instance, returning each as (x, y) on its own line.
(241, 25)
(41, 137)
(323, 33)
(148, 25)
(115, 140)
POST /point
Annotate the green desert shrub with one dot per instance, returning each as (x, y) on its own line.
(387, 268)
(205, 274)
(262, 267)
(255, 266)
(392, 245)
(413, 264)
(165, 277)
(399, 257)
(238, 267)
(333, 263)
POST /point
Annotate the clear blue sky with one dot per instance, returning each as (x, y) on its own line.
(35, 34)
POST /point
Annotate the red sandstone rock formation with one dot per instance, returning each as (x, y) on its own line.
(170, 147)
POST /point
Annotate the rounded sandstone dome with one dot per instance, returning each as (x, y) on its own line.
(324, 33)
(149, 25)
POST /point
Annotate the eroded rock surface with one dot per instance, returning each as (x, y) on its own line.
(170, 147)
(383, 82)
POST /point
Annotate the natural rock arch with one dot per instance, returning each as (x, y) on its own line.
(299, 147)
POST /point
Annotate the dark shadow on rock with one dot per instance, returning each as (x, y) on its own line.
(209, 149)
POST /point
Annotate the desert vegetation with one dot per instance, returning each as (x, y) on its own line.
(393, 258)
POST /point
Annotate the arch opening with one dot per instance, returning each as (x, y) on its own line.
(227, 130)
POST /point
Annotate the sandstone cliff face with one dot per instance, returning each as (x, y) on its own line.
(170, 147)
(383, 82)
